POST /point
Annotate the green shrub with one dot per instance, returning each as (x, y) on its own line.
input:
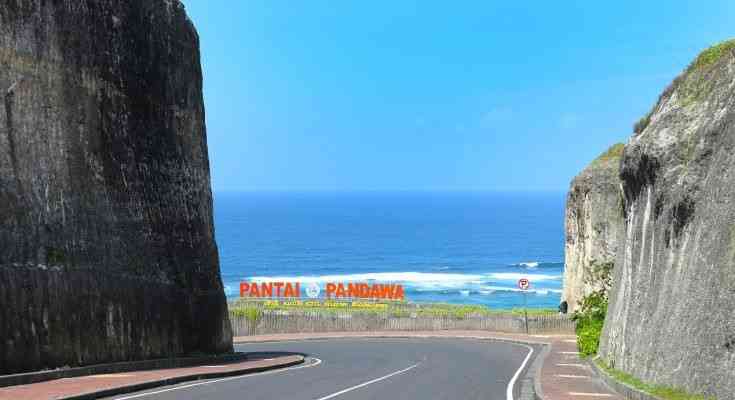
(593, 306)
(590, 316)
(590, 319)
(588, 335)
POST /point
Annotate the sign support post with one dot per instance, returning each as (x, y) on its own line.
(524, 284)
(525, 310)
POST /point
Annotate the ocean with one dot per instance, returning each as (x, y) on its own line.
(450, 247)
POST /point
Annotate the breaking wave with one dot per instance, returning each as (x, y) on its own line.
(463, 284)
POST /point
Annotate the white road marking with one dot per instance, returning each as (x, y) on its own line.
(590, 394)
(341, 392)
(509, 391)
(572, 376)
(576, 353)
(275, 371)
(571, 365)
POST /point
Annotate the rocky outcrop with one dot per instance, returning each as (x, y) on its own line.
(107, 249)
(594, 221)
(671, 319)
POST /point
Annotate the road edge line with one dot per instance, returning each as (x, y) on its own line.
(511, 384)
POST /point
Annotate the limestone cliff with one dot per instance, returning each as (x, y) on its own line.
(594, 219)
(671, 318)
(107, 249)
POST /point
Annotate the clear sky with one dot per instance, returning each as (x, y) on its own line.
(371, 95)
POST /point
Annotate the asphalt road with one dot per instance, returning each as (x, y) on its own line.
(361, 369)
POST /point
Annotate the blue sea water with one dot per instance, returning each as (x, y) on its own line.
(454, 247)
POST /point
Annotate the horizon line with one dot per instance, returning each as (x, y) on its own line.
(358, 190)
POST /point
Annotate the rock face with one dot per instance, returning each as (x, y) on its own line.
(594, 222)
(671, 318)
(107, 249)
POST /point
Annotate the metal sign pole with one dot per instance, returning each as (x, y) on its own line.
(525, 310)
(524, 284)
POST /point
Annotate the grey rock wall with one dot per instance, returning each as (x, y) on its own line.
(107, 248)
(593, 224)
(671, 319)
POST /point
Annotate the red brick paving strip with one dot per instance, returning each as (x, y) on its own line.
(68, 387)
(564, 376)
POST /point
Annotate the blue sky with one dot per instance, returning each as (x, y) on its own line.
(427, 95)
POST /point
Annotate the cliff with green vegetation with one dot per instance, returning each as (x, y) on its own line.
(107, 248)
(670, 319)
(593, 224)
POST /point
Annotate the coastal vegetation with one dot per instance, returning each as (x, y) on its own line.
(662, 392)
(692, 84)
(590, 316)
(712, 54)
(252, 314)
(253, 308)
(612, 154)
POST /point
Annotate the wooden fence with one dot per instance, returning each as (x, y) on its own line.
(272, 322)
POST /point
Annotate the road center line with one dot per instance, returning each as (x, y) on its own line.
(209, 382)
(341, 392)
(509, 391)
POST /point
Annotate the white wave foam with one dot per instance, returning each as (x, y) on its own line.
(530, 264)
(493, 289)
(514, 276)
(424, 281)
(395, 277)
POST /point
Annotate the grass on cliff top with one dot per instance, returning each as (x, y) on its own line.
(693, 86)
(613, 153)
(662, 392)
(397, 309)
(712, 54)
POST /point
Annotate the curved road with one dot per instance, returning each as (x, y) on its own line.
(361, 369)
